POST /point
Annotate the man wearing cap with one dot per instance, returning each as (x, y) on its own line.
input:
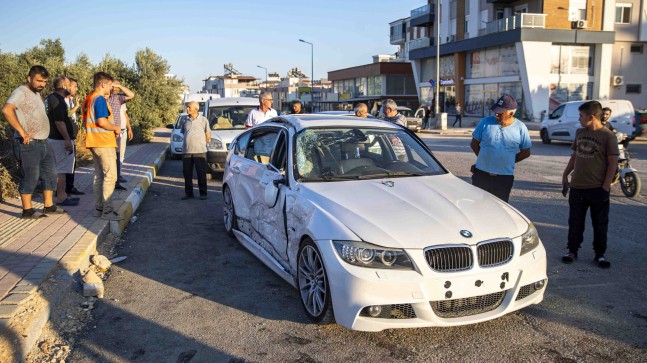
(499, 142)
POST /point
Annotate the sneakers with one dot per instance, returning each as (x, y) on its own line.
(601, 262)
(74, 191)
(53, 209)
(97, 213)
(31, 214)
(69, 202)
(187, 197)
(119, 187)
(111, 216)
(121, 179)
(569, 257)
(203, 197)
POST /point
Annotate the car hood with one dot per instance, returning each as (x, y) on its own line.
(226, 136)
(416, 212)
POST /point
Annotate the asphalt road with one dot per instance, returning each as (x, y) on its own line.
(188, 292)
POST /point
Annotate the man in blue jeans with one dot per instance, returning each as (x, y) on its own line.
(25, 112)
(593, 165)
(499, 142)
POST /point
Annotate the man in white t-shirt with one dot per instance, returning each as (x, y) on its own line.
(261, 113)
(25, 112)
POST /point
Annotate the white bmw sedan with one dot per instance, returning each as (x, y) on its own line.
(372, 230)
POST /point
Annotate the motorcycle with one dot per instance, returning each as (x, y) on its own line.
(625, 174)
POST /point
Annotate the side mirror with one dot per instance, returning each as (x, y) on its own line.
(271, 183)
(169, 126)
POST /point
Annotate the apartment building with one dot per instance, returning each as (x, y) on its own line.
(543, 52)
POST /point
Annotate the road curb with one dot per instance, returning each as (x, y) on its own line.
(73, 263)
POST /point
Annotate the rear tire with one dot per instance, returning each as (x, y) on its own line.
(544, 136)
(312, 282)
(229, 212)
(630, 184)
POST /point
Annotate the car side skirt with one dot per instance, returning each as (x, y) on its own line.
(265, 257)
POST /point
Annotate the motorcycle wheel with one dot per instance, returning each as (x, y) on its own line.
(630, 184)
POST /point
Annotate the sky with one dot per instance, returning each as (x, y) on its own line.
(197, 37)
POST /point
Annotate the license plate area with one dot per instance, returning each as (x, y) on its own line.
(461, 286)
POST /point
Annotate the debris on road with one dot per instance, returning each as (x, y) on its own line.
(118, 259)
(92, 285)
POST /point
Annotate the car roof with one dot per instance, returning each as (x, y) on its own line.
(233, 101)
(403, 108)
(304, 121)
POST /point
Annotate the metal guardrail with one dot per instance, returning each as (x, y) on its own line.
(423, 10)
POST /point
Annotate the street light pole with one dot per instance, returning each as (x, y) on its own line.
(312, 75)
(437, 58)
(265, 75)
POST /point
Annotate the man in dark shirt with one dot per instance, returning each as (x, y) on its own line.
(61, 137)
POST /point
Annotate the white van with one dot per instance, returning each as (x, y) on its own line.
(227, 120)
(200, 98)
(562, 123)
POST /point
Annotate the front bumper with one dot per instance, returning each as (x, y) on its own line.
(176, 148)
(353, 288)
(216, 160)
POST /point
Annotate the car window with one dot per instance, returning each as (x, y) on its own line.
(557, 113)
(228, 117)
(279, 154)
(260, 146)
(179, 121)
(360, 153)
(572, 113)
(241, 144)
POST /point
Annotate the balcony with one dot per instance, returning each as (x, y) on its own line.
(420, 43)
(524, 20)
(422, 16)
(398, 38)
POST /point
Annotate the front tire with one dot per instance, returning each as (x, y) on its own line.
(630, 184)
(312, 281)
(544, 136)
(229, 213)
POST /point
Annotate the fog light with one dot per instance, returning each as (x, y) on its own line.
(374, 310)
(540, 284)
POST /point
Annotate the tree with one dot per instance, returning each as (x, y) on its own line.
(157, 96)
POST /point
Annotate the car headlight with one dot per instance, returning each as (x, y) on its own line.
(177, 138)
(367, 255)
(529, 240)
(214, 144)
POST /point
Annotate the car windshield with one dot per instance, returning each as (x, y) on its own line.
(327, 154)
(228, 117)
(406, 113)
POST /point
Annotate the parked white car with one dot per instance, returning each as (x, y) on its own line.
(371, 240)
(227, 120)
(563, 122)
(177, 138)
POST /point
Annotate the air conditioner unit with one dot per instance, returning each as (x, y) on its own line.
(617, 81)
(578, 24)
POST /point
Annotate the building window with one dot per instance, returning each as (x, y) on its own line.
(637, 48)
(623, 13)
(634, 88)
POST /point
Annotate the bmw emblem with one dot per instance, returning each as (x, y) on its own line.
(465, 233)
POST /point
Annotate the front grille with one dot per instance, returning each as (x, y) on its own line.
(468, 306)
(394, 311)
(449, 259)
(494, 253)
(526, 291)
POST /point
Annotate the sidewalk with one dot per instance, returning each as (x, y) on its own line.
(31, 249)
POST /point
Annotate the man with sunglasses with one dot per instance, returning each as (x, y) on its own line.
(499, 142)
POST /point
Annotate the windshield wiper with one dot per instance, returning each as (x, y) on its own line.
(330, 178)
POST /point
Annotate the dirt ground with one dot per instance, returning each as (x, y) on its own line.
(70, 315)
